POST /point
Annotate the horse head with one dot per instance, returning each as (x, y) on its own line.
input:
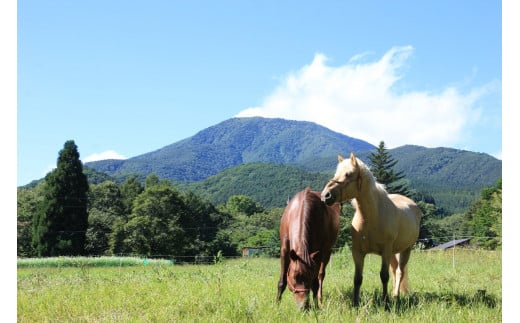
(346, 183)
(301, 277)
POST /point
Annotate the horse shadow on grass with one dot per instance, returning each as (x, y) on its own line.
(415, 299)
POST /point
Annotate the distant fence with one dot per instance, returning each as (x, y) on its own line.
(132, 259)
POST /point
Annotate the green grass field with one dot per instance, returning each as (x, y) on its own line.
(460, 286)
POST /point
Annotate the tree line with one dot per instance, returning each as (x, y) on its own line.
(64, 215)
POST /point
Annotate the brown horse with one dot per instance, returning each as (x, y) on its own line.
(383, 224)
(308, 231)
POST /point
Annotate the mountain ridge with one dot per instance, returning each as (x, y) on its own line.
(444, 174)
(303, 144)
(288, 155)
(233, 142)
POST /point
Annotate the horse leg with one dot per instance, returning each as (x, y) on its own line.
(393, 267)
(359, 259)
(284, 264)
(401, 272)
(321, 276)
(316, 292)
(385, 276)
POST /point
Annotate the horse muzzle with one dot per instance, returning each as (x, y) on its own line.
(302, 298)
(303, 305)
(328, 197)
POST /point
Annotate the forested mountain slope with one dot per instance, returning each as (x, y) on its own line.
(271, 185)
(438, 166)
(233, 142)
(452, 177)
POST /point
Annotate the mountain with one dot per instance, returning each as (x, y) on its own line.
(451, 178)
(438, 166)
(214, 163)
(234, 142)
(454, 178)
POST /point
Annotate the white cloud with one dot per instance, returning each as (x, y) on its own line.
(109, 154)
(357, 99)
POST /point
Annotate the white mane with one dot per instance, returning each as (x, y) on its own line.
(366, 173)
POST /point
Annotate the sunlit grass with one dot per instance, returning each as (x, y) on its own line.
(240, 290)
(89, 262)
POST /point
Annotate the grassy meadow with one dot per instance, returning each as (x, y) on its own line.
(448, 286)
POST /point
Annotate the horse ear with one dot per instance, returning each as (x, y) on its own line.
(353, 159)
(293, 255)
(340, 158)
(315, 255)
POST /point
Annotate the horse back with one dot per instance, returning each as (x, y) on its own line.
(408, 215)
(408, 207)
(321, 221)
(325, 220)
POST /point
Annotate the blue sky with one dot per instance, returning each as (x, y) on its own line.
(123, 78)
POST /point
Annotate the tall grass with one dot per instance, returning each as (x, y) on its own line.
(89, 262)
(244, 290)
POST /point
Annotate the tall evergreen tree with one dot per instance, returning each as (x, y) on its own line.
(60, 225)
(381, 165)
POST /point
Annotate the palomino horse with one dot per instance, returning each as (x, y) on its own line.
(308, 231)
(383, 224)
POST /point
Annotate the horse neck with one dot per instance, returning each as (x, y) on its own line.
(367, 201)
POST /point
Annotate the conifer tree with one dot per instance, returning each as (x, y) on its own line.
(60, 225)
(381, 165)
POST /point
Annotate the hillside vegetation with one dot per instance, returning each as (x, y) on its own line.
(450, 178)
(240, 206)
(271, 185)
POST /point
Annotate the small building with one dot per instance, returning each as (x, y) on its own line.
(253, 251)
(452, 244)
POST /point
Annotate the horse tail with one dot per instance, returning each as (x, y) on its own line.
(403, 284)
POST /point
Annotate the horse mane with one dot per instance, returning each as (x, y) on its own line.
(368, 177)
(307, 205)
